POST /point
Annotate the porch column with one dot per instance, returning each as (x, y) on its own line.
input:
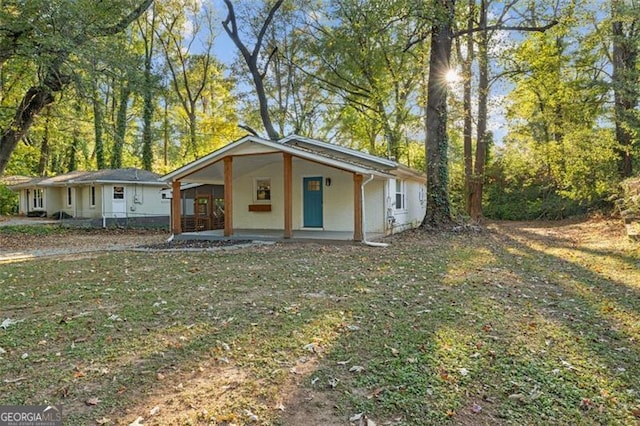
(176, 196)
(228, 196)
(357, 207)
(288, 204)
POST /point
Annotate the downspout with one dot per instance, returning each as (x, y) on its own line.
(171, 213)
(364, 234)
(104, 219)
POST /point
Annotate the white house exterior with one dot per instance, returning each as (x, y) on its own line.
(103, 195)
(297, 185)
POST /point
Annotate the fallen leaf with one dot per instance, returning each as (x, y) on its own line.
(518, 397)
(356, 369)
(355, 417)
(280, 407)
(475, 408)
(344, 362)
(92, 401)
(103, 421)
(16, 380)
(333, 382)
(252, 417)
(137, 422)
(463, 371)
(155, 410)
(9, 322)
(586, 404)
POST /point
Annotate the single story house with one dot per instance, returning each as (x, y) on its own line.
(102, 197)
(296, 187)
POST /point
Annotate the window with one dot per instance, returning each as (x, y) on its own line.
(400, 195)
(263, 190)
(118, 192)
(92, 196)
(38, 197)
(69, 197)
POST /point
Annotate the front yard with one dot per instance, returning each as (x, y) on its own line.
(529, 323)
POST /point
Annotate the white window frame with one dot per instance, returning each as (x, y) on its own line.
(400, 199)
(92, 196)
(258, 187)
(37, 199)
(69, 196)
(113, 195)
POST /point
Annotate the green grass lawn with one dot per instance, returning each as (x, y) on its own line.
(515, 325)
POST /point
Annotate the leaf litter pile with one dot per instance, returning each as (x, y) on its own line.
(531, 323)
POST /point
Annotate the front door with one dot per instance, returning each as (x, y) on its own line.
(312, 202)
(119, 202)
(203, 212)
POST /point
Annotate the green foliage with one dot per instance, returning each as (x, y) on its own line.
(8, 201)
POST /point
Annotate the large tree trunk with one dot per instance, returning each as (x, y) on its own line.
(34, 101)
(98, 122)
(466, 107)
(437, 142)
(121, 127)
(45, 149)
(147, 114)
(625, 75)
(193, 131)
(475, 207)
(251, 59)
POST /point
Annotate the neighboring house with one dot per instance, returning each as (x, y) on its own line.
(294, 186)
(102, 196)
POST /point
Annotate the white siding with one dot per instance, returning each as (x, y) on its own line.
(415, 206)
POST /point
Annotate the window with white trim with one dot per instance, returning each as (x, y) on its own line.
(38, 198)
(262, 193)
(92, 196)
(69, 197)
(401, 189)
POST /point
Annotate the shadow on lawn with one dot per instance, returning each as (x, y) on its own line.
(447, 328)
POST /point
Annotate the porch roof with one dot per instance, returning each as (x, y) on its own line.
(261, 151)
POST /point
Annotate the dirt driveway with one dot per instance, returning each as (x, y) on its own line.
(23, 246)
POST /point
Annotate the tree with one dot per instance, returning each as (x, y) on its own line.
(625, 31)
(47, 35)
(362, 56)
(251, 59)
(437, 142)
(147, 30)
(189, 70)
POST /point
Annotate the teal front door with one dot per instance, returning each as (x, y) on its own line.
(312, 202)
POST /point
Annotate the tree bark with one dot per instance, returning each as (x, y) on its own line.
(121, 127)
(45, 149)
(251, 59)
(32, 103)
(437, 142)
(147, 114)
(466, 107)
(475, 208)
(625, 92)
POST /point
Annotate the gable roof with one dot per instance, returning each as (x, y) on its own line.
(305, 148)
(128, 175)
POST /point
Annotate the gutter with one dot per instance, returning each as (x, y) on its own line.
(364, 235)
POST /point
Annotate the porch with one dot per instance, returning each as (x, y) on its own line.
(273, 235)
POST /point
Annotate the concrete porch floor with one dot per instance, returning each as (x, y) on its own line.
(273, 235)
